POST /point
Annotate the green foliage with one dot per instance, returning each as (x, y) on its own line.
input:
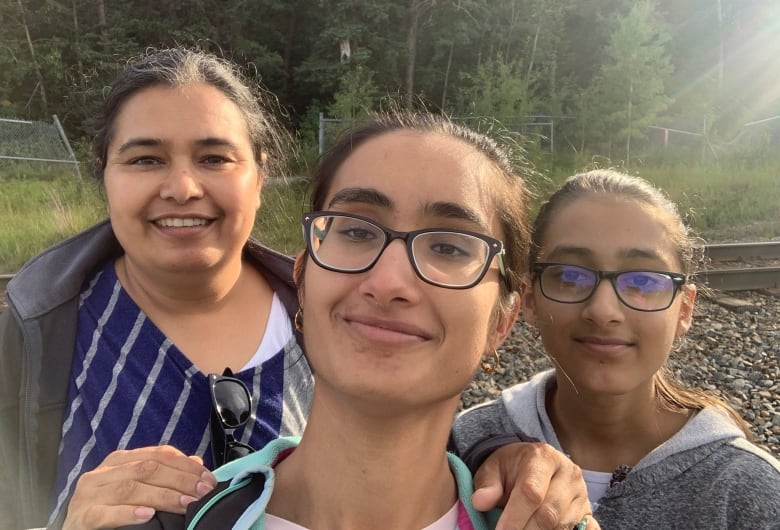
(356, 96)
(499, 89)
(629, 90)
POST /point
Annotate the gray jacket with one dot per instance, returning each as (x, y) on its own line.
(705, 476)
(37, 339)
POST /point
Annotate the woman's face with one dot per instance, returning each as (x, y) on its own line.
(181, 179)
(385, 336)
(601, 345)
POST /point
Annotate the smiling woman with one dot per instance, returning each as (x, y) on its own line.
(115, 353)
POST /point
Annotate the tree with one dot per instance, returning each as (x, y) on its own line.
(633, 75)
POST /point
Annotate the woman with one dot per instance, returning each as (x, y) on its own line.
(610, 291)
(415, 242)
(108, 336)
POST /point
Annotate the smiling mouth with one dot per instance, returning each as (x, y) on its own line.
(387, 333)
(179, 222)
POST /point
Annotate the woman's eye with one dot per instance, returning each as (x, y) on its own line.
(448, 250)
(358, 234)
(144, 161)
(215, 160)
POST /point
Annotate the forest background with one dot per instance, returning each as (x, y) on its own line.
(664, 88)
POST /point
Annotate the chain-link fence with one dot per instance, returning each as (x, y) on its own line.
(35, 143)
(539, 130)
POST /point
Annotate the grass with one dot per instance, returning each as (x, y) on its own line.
(37, 212)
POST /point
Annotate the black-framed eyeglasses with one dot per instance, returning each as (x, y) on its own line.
(641, 290)
(231, 408)
(455, 259)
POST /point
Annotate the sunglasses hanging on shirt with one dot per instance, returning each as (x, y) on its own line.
(231, 408)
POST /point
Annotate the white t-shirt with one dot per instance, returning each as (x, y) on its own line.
(278, 331)
(448, 521)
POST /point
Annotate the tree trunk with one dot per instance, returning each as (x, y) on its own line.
(447, 76)
(102, 25)
(38, 74)
(415, 6)
(720, 48)
(533, 50)
(628, 133)
(289, 40)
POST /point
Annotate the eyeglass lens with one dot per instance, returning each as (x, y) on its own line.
(642, 290)
(353, 245)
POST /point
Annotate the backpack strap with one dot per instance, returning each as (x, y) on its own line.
(218, 510)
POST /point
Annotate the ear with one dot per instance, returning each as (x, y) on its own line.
(527, 299)
(686, 310)
(506, 320)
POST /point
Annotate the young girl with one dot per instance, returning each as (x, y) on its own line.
(610, 291)
(414, 243)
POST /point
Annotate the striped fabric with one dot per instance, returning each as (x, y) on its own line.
(128, 380)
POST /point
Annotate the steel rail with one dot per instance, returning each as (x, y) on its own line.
(743, 251)
(4, 279)
(744, 279)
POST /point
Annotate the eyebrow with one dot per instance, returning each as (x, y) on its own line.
(151, 142)
(373, 197)
(625, 253)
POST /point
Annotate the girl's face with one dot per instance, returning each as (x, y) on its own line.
(181, 179)
(384, 336)
(601, 345)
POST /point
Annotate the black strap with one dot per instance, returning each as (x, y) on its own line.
(221, 515)
(475, 455)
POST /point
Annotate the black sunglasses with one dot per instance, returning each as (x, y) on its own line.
(231, 408)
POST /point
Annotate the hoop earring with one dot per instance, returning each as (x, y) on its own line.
(678, 343)
(298, 320)
(490, 367)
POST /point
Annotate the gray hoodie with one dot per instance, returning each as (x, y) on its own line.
(706, 476)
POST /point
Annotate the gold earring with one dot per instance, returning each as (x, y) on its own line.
(298, 320)
(490, 367)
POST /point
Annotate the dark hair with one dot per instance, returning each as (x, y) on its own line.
(181, 66)
(510, 193)
(689, 250)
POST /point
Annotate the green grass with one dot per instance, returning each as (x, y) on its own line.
(37, 212)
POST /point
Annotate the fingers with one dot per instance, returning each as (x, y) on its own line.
(129, 486)
(538, 486)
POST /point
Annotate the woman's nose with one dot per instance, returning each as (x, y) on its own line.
(181, 183)
(392, 277)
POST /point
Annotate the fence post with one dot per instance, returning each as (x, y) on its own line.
(67, 144)
(321, 135)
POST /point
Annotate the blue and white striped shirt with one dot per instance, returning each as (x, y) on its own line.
(131, 387)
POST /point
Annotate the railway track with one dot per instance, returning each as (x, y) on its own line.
(728, 271)
(742, 266)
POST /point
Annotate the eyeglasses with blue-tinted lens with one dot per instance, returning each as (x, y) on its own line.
(455, 259)
(231, 408)
(641, 290)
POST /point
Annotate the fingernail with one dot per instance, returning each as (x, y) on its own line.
(208, 477)
(143, 513)
(184, 500)
(203, 488)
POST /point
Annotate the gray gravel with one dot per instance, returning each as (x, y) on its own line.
(733, 353)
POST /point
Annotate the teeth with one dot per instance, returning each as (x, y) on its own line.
(178, 222)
